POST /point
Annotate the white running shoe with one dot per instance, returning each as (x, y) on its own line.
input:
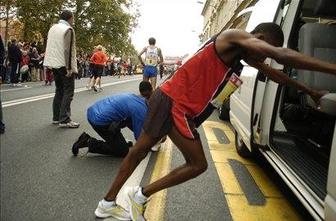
(94, 88)
(70, 124)
(115, 211)
(136, 209)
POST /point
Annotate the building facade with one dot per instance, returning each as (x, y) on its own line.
(223, 14)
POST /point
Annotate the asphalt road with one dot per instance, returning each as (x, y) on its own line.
(41, 180)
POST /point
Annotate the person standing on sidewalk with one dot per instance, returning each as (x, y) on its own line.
(14, 57)
(48, 76)
(2, 61)
(99, 59)
(153, 57)
(34, 61)
(2, 125)
(60, 55)
(2, 78)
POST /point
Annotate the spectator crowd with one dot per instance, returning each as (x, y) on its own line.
(23, 62)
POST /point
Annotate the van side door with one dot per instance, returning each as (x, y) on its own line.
(265, 90)
(250, 94)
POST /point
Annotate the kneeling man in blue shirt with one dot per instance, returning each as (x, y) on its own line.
(109, 115)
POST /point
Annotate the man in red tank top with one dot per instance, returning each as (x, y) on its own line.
(184, 101)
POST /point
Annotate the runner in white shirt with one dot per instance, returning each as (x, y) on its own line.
(153, 57)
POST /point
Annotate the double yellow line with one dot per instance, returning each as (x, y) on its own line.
(156, 205)
(276, 207)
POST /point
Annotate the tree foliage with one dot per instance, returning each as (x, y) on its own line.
(105, 22)
(7, 13)
(37, 16)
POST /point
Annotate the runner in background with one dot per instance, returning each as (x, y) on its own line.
(99, 59)
(153, 58)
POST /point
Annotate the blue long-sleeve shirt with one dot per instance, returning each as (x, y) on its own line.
(117, 108)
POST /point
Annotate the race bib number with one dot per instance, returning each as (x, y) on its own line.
(230, 87)
(150, 61)
(151, 58)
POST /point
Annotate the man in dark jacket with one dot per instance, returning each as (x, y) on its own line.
(14, 57)
(2, 78)
(2, 59)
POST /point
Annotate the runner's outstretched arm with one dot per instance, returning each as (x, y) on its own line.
(285, 56)
(283, 79)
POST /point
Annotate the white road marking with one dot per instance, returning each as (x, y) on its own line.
(137, 175)
(16, 89)
(135, 178)
(50, 95)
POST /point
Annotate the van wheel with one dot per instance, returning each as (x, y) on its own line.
(241, 148)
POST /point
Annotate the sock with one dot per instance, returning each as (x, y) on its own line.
(108, 203)
(139, 197)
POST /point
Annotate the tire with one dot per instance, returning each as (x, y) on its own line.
(224, 111)
(241, 148)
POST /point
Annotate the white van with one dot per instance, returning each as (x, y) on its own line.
(297, 139)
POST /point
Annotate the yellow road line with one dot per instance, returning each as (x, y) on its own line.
(276, 206)
(156, 205)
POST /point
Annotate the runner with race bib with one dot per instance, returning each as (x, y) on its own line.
(153, 57)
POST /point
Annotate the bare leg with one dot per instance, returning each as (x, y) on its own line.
(89, 83)
(137, 153)
(92, 81)
(196, 164)
(98, 82)
(153, 82)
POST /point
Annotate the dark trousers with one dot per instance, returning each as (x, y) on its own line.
(64, 93)
(14, 72)
(2, 73)
(114, 142)
(2, 125)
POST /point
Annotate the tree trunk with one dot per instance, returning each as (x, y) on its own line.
(7, 21)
